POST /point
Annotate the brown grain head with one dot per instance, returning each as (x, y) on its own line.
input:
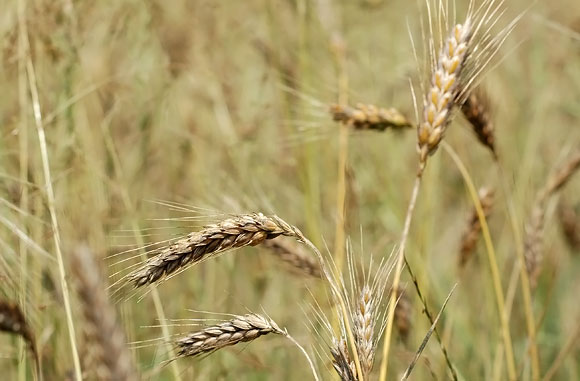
(369, 117)
(231, 233)
(403, 312)
(473, 230)
(570, 224)
(105, 343)
(298, 261)
(12, 321)
(240, 329)
(477, 111)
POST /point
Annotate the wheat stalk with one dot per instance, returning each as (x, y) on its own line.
(369, 117)
(235, 232)
(105, 337)
(298, 260)
(471, 235)
(477, 111)
(240, 329)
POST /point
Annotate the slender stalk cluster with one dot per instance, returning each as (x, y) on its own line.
(235, 232)
(445, 84)
(240, 329)
(369, 117)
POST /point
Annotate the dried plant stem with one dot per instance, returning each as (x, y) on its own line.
(52, 211)
(431, 320)
(564, 352)
(128, 204)
(23, 173)
(397, 277)
(492, 262)
(310, 363)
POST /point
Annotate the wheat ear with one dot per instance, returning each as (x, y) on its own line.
(298, 260)
(341, 362)
(240, 329)
(471, 235)
(403, 312)
(477, 111)
(235, 232)
(369, 117)
(533, 242)
(570, 224)
(105, 337)
(12, 321)
(445, 86)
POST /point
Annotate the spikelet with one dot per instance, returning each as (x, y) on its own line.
(341, 361)
(298, 260)
(235, 232)
(369, 117)
(240, 329)
(12, 321)
(363, 329)
(477, 111)
(444, 88)
(533, 242)
(471, 235)
(570, 224)
(106, 344)
(403, 312)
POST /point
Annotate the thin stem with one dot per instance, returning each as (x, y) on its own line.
(511, 367)
(305, 355)
(564, 352)
(525, 281)
(397, 277)
(52, 211)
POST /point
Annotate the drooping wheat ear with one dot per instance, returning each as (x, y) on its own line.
(363, 329)
(369, 117)
(471, 235)
(533, 251)
(237, 231)
(445, 85)
(341, 361)
(570, 224)
(298, 260)
(105, 338)
(240, 329)
(12, 321)
(403, 312)
(477, 111)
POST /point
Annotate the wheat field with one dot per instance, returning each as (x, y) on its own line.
(244, 190)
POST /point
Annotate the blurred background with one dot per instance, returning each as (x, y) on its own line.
(222, 107)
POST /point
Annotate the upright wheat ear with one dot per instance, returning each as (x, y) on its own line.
(440, 98)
